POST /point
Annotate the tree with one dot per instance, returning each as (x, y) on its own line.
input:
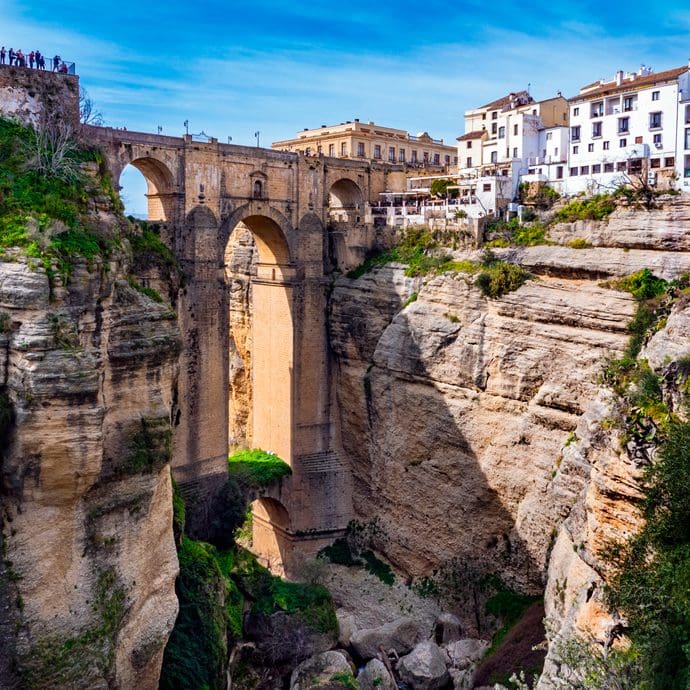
(88, 115)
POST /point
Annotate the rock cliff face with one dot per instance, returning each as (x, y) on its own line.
(454, 410)
(603, 475)
(87, 374)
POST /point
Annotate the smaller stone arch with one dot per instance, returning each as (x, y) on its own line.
(345, 194)
(271, 542)
(160, 187)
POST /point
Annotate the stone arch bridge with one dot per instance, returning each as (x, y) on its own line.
(307, 216)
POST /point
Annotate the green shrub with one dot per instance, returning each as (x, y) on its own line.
(500, 277)
(196, 652)
(257, 468)
(579, 243)
(46, 215)
(501, 233)
(651, 585)
(148, 249)
(597, 207)
(643, 285)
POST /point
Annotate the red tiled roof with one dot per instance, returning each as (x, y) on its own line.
(627, 85)
(471, 135)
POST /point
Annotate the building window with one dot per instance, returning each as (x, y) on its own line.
(401, 156)
(596, 129)
(494, 127)
(655, 163)
(629, 103)
(437, 159)
(307, 151)
(608, 167)
(606, 145)
(494, 156)
(639, 140)
(468, 162)
(573, 172)
(654, 120)
(555, 151)
(343, 149)
(447, 159)
(576, 150)
(686, 167)
(331, 150)
(623, 125)
(501, 132)
(414, 157)
(620, 166)
(515, 130)
(486, 187)
(655, 95)
(597, 109)
(469, 144)
(391, 154)
(575, 133)
(670, 162)
(596, 168)
(494, 115)
(590, 148)
(622, 143)
(258, 189)
(425, 156)
(584, 170)
(515, 152)
(635, 165)
(559, 172)
(687, 137)
(576, 112)
(360, 149)
(377, 151)
(548, 136)
(657, 140)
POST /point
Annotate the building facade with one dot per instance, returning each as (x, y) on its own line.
(369, 141)
(515, 136)
(625, 130)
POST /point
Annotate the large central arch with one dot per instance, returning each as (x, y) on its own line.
(272, 327)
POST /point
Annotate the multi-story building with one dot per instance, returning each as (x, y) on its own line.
(515, 136)
(626, 129)
(369, 141)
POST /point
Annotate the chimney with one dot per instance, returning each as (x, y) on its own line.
(619, 77)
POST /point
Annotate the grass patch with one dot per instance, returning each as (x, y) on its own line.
(149, 292)
(598, 207)
(346, 680)
(257, 468)
(150, 446)
(579, 243)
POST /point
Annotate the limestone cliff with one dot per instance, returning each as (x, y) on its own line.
(454, 409)
(86, 490)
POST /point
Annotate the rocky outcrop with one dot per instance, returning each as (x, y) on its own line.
(660, 228)
(326, 670)
(424, 668)
(89, 371)
(400, 635)
(446, 400)
(599, 490)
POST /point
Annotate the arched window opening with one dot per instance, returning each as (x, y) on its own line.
(258, 189)
(133, 190)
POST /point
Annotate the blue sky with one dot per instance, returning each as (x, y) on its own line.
(234, 68)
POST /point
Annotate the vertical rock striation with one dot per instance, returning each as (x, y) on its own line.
(89, 371)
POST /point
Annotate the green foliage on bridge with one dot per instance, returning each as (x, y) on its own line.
(47, 191)
(255, 468)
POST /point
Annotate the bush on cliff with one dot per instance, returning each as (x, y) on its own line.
(255, 468)
(597, 207)
(43, 212)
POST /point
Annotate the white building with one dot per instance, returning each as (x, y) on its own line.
(625, 129)
(515, 136)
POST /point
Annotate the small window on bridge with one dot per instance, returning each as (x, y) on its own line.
(258, 189)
